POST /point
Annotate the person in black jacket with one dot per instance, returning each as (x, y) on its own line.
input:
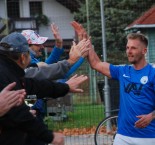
(18, 122)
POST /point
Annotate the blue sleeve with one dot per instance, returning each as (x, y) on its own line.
(74, 67)
(55, 55)
(72, 70)
(34, 61)
(39, 105)
(114, 71)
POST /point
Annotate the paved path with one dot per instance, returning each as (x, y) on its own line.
(87, 140)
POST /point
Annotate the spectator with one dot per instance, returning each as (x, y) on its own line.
(19, 122)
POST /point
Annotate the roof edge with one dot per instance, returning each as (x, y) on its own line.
(141, 26)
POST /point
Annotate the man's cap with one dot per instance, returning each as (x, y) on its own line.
(14, 42)
(32, 37)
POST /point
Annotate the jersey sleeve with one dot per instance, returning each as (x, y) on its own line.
(114, 71)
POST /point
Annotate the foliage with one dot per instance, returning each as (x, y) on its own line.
(118, 15)
(42, 20)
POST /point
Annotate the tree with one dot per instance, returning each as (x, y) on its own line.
(118, 15)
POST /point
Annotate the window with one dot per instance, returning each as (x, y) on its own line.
(35, 8)
(13, 8)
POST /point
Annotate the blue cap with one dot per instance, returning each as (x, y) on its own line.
(14, 42)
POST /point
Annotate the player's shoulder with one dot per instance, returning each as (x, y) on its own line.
(152, 65)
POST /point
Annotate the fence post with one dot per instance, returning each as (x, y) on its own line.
(106, 89)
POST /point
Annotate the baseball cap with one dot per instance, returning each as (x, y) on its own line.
(32, 37)
(14, 42)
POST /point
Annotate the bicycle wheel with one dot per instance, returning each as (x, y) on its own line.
(106, 130)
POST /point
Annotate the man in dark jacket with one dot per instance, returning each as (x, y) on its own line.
(18, 122)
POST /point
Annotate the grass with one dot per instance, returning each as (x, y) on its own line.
(82, 116)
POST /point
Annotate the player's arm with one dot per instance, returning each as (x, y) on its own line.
(97, 64)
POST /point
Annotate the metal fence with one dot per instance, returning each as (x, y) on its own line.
(77, 115)
(81, 130)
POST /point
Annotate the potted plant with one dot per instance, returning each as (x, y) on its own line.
(42, 19)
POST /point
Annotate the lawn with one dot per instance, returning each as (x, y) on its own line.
(82, 116)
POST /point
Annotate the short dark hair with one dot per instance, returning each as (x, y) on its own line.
(10, 55)
(138, 36)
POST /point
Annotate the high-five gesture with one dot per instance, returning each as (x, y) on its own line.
(56, 34)
(74, 83)
(79, 29)
(78, 50)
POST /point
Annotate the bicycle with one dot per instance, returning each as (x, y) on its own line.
(106, 131)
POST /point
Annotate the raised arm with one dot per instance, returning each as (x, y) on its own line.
(81, 35)
(80, 49)
(93, 59)
(79, 29)
(58, 48)
(56, 34)
(52, 89)
(60, 68)
(97, 64)
(52, 71)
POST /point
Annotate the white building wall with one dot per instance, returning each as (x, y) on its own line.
(3, 11)
(59, 15)
(56, 13)
(24, 8)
